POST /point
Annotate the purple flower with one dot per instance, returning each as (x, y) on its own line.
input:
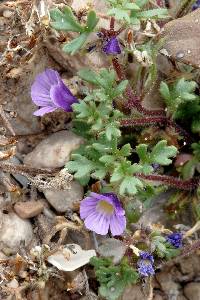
(112, 47)
(196, 5)
(50, 93)
(145, 264)
(102, 212)
(175, 239)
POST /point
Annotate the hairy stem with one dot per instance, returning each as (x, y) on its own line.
(143, 121)
(133, 100)
(186, 185)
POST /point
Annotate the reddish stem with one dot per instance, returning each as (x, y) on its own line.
(133, 101)
(112, 26)
(186, 185)
(143, 121)
(118, 69)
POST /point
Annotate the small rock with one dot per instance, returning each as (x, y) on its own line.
(63, 200)
(7, 13)
(13, 284)
(170, 288)
(133, 292)
(29, 209)
(112, 248)
(192, 291)
(190, 266)
(14, 230)
(54, 151)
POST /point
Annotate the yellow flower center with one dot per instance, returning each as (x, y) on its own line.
(105, 207)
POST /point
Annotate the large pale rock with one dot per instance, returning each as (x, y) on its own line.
(14, 230)
(64, 200)
(192, 291)
(54, 151)
(182, 39)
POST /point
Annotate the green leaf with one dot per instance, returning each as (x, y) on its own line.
(178, 94)
(141, 3)
(195, 126)
(153, 13)
(119, 14)
(75, 44)
(161, 153)
(113, 279)
(164, 90)
(142, 152)
(112, 131)
(120, 88)
(131, 6)
(196, 150)
(81, 166)
(92, 21)
(88, 75)
(126, 150)
(107, 159)
(65, 20)
(130, 185)
(188, 169)
(100, 173)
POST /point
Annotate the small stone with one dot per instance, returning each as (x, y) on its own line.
(133, 292)
(64, 200)
(14, 231)
(170, 288)
(13, 284)
(112, 248)
(7, 13)
(192, 291)
(54, 151)
(180, 55)
(29, 209)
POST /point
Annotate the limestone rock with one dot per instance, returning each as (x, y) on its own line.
(192, 291)
(14, 230)
(182, 39)
(64, 200)
(112, 248)
(54, 151)
(133, 292)
(28, 209)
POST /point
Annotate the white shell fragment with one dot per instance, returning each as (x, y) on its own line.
(71, 257)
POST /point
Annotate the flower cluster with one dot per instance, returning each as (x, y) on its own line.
(145, 264)
(196, 5)
(102, 212)
(175, 239)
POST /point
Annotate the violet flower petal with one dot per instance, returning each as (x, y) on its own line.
(44, 110)
(112, 47)
(117, 224)
(100, 217)
(50, 92)
(98, 223)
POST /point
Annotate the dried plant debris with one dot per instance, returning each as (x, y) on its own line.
(71, 257)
